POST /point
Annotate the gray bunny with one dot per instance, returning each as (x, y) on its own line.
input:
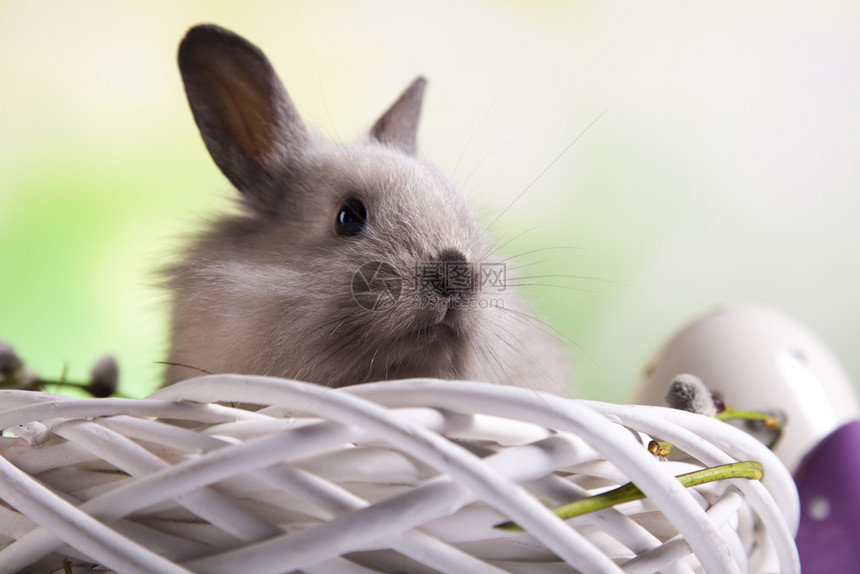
(346, 264)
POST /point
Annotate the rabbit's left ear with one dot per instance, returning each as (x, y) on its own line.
(246, 118)
(398, 127)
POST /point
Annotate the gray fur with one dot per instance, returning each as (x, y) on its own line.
(688, 393)
(268, 290)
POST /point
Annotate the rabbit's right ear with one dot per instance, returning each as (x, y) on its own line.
(246, 118)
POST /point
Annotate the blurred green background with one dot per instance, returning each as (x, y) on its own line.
(725, 168)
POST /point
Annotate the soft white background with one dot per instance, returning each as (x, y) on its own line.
(724, 169)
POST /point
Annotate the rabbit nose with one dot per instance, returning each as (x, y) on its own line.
(450, 275)
(451, 255)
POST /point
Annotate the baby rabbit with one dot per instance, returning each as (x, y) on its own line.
(346, 264)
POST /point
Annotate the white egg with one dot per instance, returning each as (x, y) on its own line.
(759, 359)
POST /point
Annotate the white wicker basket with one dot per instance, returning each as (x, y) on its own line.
(402, 476)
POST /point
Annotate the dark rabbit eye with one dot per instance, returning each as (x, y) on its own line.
(351, 219)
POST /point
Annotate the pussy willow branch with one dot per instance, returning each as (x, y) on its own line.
(629, 492)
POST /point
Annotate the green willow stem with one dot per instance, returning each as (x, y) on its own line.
(37, 384)
(770, 421)
(41, 384)
(629, 492)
